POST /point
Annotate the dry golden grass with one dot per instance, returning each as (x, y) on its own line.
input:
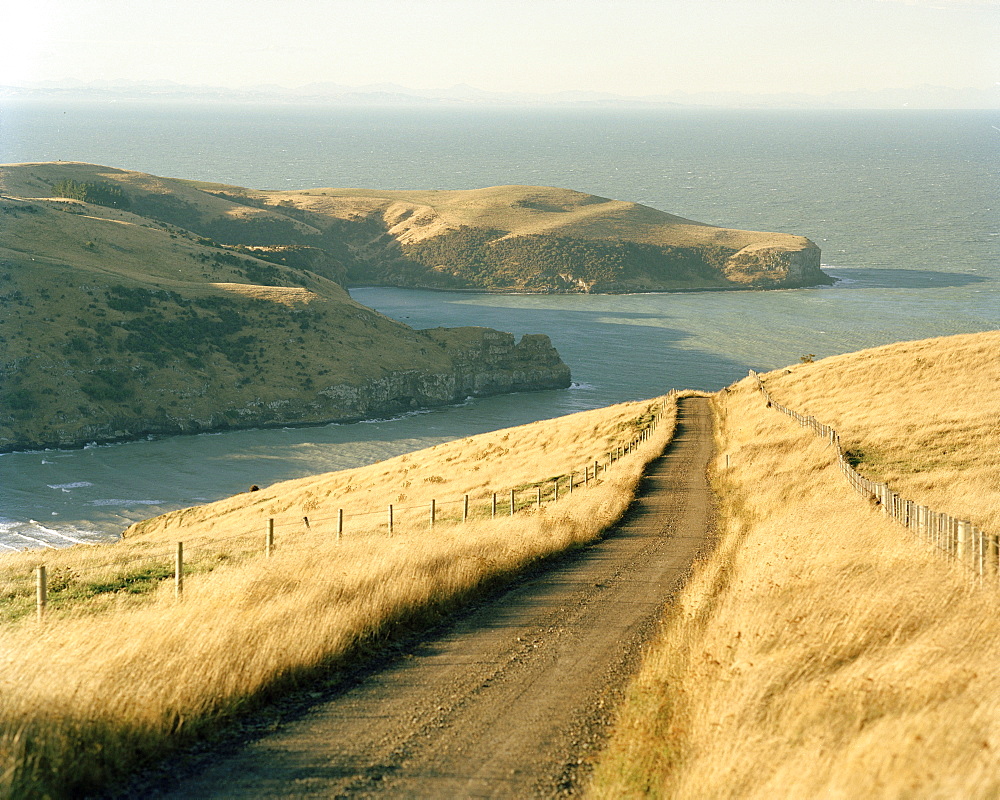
(822, 650)
(108, 683)
(923, 416)
(415, 215)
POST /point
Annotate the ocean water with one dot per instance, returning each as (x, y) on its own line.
(903, 204)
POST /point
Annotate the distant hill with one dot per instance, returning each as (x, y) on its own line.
(389, 95)
(116, 324)
(504, 238)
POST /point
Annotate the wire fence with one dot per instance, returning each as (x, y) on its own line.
(146, 570)
(956, 539)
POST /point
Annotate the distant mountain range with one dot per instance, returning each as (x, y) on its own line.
(460, 95)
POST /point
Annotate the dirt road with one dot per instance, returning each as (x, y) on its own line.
(515, 698)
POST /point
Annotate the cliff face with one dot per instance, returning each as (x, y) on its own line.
(479, 362)
(483, 362)
(776, 267)
(489, 362)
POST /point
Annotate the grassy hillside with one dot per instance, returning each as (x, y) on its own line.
(117, 325)
(824, 651)
(121, 672)
(503, 238)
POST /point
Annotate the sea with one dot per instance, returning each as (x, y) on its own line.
(904, 205)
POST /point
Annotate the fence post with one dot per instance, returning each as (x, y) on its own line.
(538, 497)
(494, 513)
(465, 509)
(269, 538)
(179, 571)
(596, 465)
(571, 477)
(963, 541)
(512, 502)
(980, 551)
(340, 524)
(555, 490)
(41, 591)
(432, 512)
(390, 518)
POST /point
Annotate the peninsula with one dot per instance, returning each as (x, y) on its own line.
(502, 238)
(116, 324)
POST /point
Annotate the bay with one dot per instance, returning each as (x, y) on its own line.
(904, 205)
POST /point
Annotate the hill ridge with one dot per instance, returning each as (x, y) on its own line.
(501, 238)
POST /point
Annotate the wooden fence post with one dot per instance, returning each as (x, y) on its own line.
(980, 541)
(465, 509)
(390, 518)
(494, 512)
(179, 571)
(41, 592)
(571, 477)
(269, 538)
(538, 497)
(555, 490)
(512, 502)
(432, 512)
(962, 552)
(340, 524)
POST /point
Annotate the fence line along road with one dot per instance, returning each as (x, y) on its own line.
(391, 514)
(957, 539)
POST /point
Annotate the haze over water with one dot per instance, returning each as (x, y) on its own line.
(903, 204)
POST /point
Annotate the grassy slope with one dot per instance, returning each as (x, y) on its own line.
(116, 325)
(524, 219)
(385, 236)
(121, 672)
(822, 651)
(63, 274)
(921, 416)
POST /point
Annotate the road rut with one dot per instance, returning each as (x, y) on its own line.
(515, 698)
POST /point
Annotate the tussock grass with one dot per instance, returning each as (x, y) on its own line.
(112, 681)
(921, 416)
(823, 651)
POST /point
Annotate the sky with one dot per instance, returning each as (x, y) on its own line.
(626, 47)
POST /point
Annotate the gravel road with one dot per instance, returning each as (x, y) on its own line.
(515, 698)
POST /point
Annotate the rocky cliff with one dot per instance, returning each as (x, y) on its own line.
(479, 362)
